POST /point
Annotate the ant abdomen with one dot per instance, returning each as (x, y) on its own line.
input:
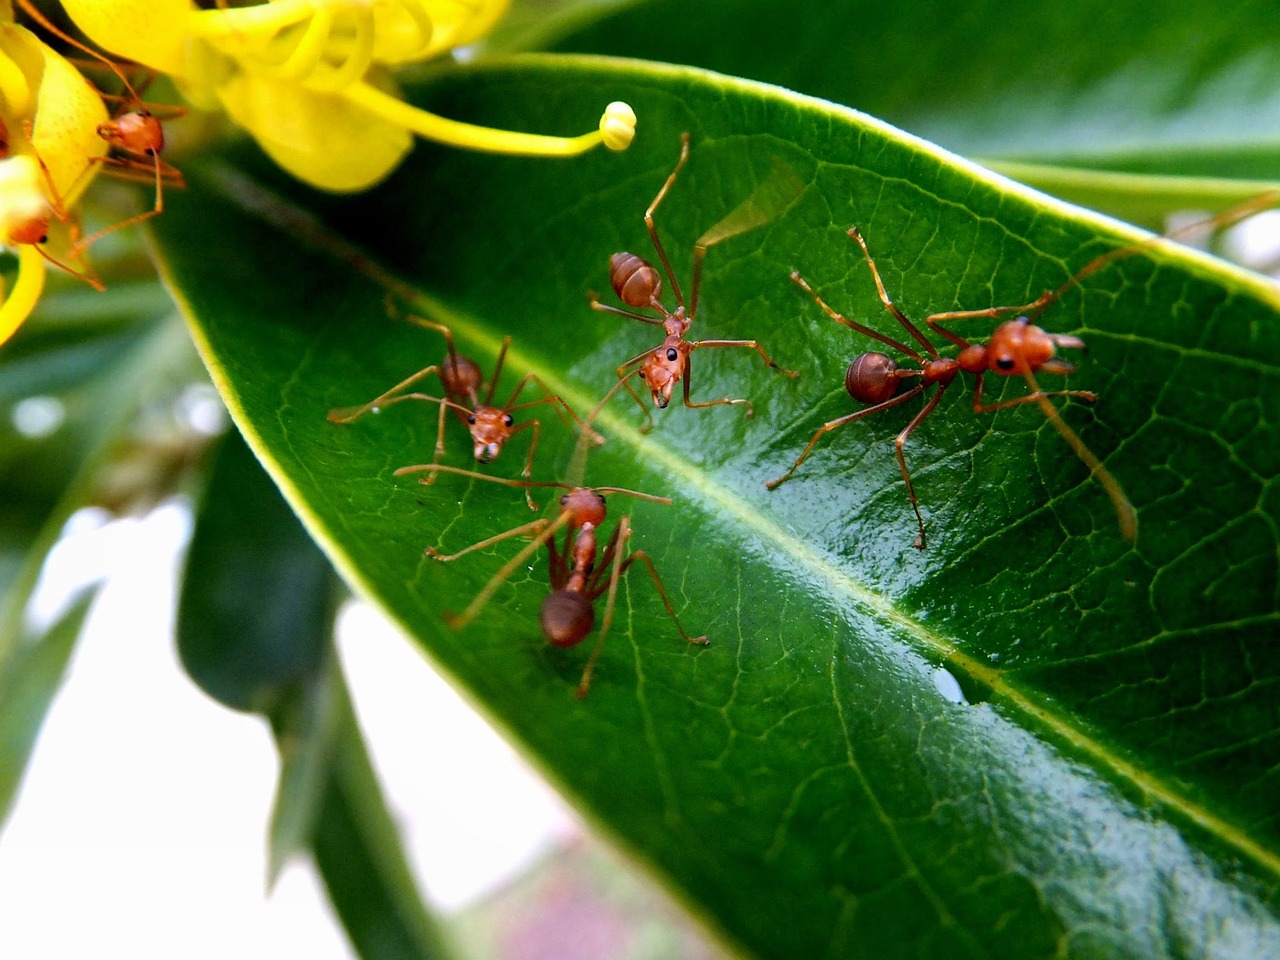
(870, 378)
(461, 376)
(567, 617)
(634, 280)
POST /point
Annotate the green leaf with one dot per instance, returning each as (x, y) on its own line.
(28, 684)
(358, 852)
(807, 781)
(247, 543)
(267, 656)
(1097, 101)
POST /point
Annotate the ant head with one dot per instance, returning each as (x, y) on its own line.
(137, 131)
(870, 378)
(634, 280)
(33, 231)
(1018, 345)
(585, 506)
(662, 370)
(490, 427)
(567, 617)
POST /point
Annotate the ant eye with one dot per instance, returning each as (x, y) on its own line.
(641, 374)
(1005, 363)
(471, 418)
(508, 419)
(672, 353)
(564, 500)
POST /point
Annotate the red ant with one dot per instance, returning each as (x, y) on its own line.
(134, 131)
(30, 227)
(1016, 347)
(577, 579)
(638, 284)
(491, 427)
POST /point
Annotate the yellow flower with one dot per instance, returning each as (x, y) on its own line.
(49, 146)
(309, 79)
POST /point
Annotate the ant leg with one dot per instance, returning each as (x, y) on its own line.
(30, 10)
(1125, 514)
(750, 344)
(624, 378)
(396, 313)
(84, 243)
(642, 557)
(348, 414)
(610, 308)
(436, 468)
(439, 451)
(458, 621)
(889, 305)
(91, 279)
(527, 472)
(1034, 308)
(688, 380)
(532, 525)
(161, 170)
(1034, 397)
(553, 399)
(652, 228)
(620, 535)
(840, 422)
(695, 283)
(497, 370)
(1087, 395)
(856, 327)
(900, 442)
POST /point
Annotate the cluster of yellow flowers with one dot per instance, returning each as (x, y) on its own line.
(49, 115)
(309, 79)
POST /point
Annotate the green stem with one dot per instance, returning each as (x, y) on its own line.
(360, 858)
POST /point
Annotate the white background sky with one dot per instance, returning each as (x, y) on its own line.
(141, 825)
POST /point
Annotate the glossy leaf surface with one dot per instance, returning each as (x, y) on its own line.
(811, 781)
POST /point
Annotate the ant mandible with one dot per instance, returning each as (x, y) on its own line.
(135, 131)
(577, 580)
(638, 285)
(490, 426)
(1016, 347)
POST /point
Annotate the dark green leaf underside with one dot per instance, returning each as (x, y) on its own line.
(1098, 84)
(1105, 789)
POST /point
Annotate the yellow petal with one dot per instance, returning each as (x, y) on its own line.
(150, 32)
(320, 138)
(65, 131)
(21, 300)
(412, 30)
